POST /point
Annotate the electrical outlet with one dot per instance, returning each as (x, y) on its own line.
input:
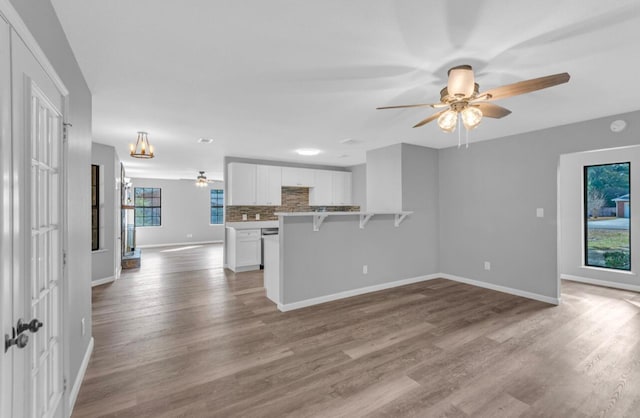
(365, 269)
(244, 216)
(82, 327)
(189, 235)
(257, 216)
(540, 212)
(487, 265)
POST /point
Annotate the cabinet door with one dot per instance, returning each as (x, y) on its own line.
(298, 177)
(241, 184)
(322, 192)
(248, 247)
(341, 188)
(269, 185)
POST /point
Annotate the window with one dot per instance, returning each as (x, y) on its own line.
(95, 207)
(147, 201)
(217, 206)
(607, 200)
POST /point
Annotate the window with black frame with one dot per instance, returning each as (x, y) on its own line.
(148, 206)
(95, 207)
(607, 216)
(217, 207)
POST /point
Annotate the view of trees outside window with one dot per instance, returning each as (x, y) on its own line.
(607, 216)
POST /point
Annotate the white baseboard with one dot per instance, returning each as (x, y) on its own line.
(104, 280)
(598, 282)
(75, 389)
(503, 289)
(175, 244)
(284, 307)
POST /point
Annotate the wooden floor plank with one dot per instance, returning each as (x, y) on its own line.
(183, 337)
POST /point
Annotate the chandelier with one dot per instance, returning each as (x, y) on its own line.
(141, 149)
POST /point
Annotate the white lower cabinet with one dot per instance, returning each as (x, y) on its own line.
(244, 249)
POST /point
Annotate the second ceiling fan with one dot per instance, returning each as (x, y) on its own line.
(462, 101)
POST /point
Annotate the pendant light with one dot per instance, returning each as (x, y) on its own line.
(141, 149)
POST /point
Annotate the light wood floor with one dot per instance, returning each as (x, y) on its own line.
(181, 337)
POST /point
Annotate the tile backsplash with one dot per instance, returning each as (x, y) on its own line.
(294, 199)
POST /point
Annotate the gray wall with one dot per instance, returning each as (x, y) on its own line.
(359, 186)
(41, 19)
(103, 262)
(384, 179)
(488, 199)
(330, 260)
(185, 210)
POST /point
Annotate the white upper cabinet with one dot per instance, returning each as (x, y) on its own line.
(241, 184)
(322, 193)
(298, 177)
(269, 185)
(261, 185)
(341, 188)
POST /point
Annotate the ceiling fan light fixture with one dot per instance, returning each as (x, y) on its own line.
(461, 82)
(471, 117)
(201, 180)
(448, 121)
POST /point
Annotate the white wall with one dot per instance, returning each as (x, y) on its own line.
(359, 186)
(104, 261)
(384, 179)
(41, 19)
(185, 210)
(572, 221)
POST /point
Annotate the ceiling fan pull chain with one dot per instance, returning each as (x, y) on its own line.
(467, 146)
(459, 138)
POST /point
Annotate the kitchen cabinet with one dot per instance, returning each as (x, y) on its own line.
(298, 177)
(269, 185)
(241, 184)
(341, 181)
(321, 194)
(244, 248)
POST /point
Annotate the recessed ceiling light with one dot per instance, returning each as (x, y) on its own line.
(308, 151)
(205, 140)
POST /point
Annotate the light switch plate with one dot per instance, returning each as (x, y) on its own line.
(540, 212)
(257, 216)
(244, 216)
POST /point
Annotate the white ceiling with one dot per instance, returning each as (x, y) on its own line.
(263, 78)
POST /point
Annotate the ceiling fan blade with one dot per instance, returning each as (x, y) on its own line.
(492, 111)
(526, 86)
(413, 105)
(430, 118)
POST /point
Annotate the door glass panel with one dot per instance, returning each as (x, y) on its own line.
(607, 203)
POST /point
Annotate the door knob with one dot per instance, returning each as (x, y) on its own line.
(32, 326)
(20, 341)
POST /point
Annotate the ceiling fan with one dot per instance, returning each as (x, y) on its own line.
(201, 180)
(463, 102)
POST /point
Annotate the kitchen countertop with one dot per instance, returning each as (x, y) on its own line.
(253, 224)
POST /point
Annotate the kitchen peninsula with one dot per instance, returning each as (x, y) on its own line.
(323, 256)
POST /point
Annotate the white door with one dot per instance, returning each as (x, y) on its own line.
(37, 125)
(6, 243)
